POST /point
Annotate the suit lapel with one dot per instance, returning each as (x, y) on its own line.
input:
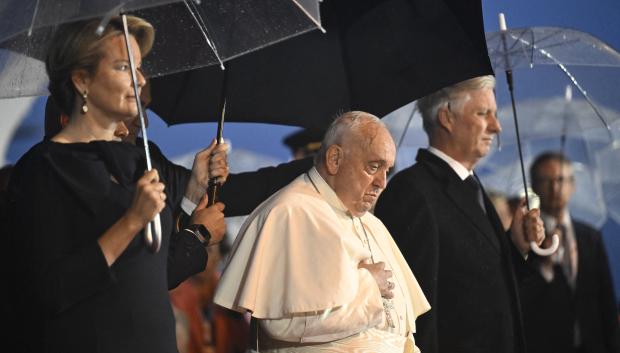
(463, 198)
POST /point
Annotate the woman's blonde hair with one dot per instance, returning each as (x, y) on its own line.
(76, 46)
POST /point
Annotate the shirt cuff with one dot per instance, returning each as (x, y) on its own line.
(187, 206)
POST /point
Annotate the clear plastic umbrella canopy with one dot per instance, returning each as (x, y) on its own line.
(608, 160)
(577, 127)
(570, 127)
(527, 47)
(188, 33)
(554, 117)
(500, 171)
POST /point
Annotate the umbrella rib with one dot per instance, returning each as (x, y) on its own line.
(572, 78)
(303, 9)
(583, 92)
(552, 34)
(34, 16)
(557, 44)
(203, 29)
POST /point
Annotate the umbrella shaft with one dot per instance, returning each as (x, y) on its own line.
(212, 191)
(514, 115)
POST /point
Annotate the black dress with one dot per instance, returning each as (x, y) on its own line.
(64, 197)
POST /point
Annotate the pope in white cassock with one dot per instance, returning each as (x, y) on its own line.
(317, 271)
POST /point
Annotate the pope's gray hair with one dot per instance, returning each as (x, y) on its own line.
(345, 123)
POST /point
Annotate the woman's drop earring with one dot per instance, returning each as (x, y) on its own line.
(84, 106)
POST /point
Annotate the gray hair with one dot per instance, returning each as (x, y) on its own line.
(456, 94)
(343, 124)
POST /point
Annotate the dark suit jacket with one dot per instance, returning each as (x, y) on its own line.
(550, 309)
(462, 259)
(243, 192)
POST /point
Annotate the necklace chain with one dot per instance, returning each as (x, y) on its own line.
(388, 306)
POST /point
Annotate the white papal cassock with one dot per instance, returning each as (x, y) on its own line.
(294, 266)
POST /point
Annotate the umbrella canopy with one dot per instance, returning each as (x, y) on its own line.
(608, 160)
(561, 47)
(189, 34)
(501, 172)
(527, 47)
(554, 117)
(376, 56)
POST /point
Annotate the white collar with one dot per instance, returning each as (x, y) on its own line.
(550, 222)
(325, 190)
(458, 168)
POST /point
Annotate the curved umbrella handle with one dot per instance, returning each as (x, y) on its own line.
(555, 243)
(152, 234)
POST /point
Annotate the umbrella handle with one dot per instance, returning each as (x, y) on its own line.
(153, 228)
(555, 243)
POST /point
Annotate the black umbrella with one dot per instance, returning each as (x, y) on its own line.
(376, 56)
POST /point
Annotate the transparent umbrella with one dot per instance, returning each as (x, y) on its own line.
(190, 34)
(501, 172)
(608, 160)
(571, 127)
(546, 46)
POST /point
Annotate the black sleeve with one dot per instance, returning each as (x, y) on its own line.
(55, 267)
(175, 177)
(186, 257)
(409, 218)
(243, 192)
(607, 298)
(523, 268)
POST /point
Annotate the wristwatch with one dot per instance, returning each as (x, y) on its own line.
(200, 232)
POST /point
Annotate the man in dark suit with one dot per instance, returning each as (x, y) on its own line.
(450, 233)
(569, 305)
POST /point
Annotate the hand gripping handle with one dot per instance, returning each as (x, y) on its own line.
(152, 234)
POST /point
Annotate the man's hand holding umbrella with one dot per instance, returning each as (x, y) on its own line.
(212, 218)
(526, 227)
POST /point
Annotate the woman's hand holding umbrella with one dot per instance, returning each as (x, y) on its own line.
(148, 201)
(211, 162)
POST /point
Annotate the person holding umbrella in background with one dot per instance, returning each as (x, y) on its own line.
(450, 233)
(569, 305)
